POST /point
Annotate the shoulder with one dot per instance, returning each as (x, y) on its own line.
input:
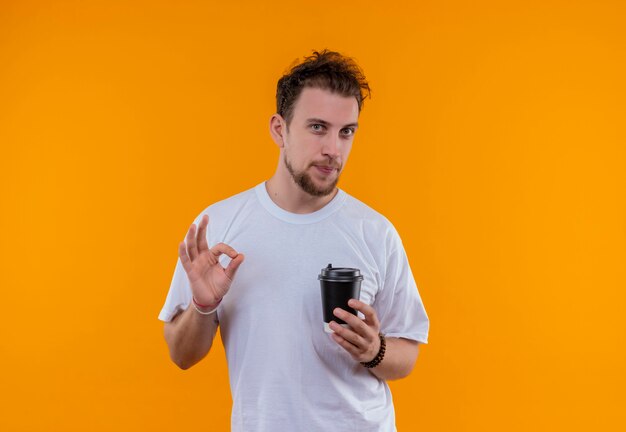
(227, 207)
(375, 224)
(233, 202)
(358, 210)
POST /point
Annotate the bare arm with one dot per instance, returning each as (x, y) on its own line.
(190, 334)
(189, 337)
(361, 341)
(400, 357)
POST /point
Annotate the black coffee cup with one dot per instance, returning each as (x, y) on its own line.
(338, 285)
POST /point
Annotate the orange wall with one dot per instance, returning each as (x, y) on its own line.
(494, 142)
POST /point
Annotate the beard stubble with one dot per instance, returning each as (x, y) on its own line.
(304, 180)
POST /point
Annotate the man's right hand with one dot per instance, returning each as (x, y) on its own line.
(209, 281)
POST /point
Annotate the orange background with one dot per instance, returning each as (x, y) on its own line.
(494, 142)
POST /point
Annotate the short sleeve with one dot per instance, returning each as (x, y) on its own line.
(399, 304)
(179, 295)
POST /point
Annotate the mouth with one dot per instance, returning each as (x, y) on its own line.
(325, 169)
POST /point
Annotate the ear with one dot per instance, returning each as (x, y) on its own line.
(278, 129)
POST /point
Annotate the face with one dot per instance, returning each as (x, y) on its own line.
(319, 139)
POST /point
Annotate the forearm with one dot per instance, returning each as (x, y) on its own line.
(189, 336)
(399, 359)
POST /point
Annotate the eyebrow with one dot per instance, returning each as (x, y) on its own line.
(325, 123)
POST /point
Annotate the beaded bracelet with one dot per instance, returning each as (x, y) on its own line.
(379, 356)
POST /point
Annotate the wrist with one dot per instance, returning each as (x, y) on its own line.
(379, 356)
(205, 309)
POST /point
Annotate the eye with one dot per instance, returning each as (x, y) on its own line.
(317, 129)
(348, 131)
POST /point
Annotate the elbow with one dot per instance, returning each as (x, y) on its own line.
(407, 371)
(412, 353)
(179, 358)
(400, 374)
(184, 362)
(181, 363)
(413, 356)
(176, 355)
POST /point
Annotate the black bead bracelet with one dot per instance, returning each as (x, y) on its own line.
(379, 356)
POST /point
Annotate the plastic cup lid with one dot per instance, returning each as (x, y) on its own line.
(340, 274)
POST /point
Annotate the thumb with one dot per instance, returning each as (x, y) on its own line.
(234, 264)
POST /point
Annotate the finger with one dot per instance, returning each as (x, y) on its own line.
(368, 311)
(184, 258)
(234, 264)
(192, 250)
(348, 334)
(353, 321)
(223, 248)
(202, 242)
(351, 349)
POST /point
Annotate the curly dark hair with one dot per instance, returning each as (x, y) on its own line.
(328, 70)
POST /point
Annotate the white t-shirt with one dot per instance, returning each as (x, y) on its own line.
(286, 373)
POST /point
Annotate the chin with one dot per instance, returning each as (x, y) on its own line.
(325, 188)
(310, 183)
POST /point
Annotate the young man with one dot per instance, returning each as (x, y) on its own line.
(258, 281)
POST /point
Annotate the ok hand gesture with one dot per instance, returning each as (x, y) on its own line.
(209, 281)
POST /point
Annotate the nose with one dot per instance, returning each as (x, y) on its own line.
(331, 147)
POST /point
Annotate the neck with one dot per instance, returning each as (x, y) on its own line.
(287, 195)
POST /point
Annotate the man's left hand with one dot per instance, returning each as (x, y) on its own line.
(361, 339)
